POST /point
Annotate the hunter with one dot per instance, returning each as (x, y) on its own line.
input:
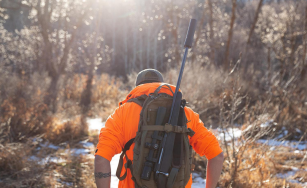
(122, 126)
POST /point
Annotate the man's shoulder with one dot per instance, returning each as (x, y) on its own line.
(189, 111)
(130, 105)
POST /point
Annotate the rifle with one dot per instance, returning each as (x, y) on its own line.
(166, 170)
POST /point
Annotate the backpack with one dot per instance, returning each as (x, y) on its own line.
(152, 125)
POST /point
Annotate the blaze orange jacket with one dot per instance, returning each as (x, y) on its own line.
(122, 125)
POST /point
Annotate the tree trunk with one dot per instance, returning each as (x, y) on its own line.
(230, 33)
(251, 33)
(304, 69)
(212, 51)
(92, 56)
(255, 21)
(87, 95)
(52, 93)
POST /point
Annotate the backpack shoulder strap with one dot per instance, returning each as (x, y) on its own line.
(158, 89)
(121, 161)
(139, 100)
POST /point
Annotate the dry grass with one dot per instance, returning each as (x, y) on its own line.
(21, 120)
(259, 166)
(67, 131)
(26, 122)
(301, 176)
(76, 171)
(12, 158)
(19, 170)
(24, 115)
(16, 170)
(257, 169)
(106, 93)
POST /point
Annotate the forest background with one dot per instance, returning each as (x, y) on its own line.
(65, 61)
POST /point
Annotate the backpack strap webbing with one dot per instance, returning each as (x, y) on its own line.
(121, 161)
(168, 128)
(158, 89)
(172, 177)
(139, 100)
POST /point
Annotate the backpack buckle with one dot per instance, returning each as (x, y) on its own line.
(168, 128)
(153, 95)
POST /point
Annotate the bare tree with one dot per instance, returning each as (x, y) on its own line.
(230, 33)
(304, 65)
(57, 42)
(255, 21)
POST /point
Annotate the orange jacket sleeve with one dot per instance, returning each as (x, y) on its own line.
(111, 136)
(203, 141)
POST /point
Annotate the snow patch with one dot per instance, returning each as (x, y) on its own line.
(289, 176)
(51, 146)
(47, 159)
(198, 181)
(95, 124)
(79, 151)
(297, 130)
(267, 124)
(292, 144)
(87, 144)
(229, 133)
(69, 184)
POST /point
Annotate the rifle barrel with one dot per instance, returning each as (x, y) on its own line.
(187, 44)
(178, 83)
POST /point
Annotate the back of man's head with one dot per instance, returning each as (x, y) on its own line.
(148, 76)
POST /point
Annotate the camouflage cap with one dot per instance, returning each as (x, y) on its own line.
(148, 76)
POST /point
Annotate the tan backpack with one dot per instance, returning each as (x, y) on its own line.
(152, 126)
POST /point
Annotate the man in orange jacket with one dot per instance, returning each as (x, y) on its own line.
(122, 125)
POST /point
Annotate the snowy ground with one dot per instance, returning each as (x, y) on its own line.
(299, 147)
(198, 182)
(289, 176)
(292, 144)
(96, 124)
(229, 133)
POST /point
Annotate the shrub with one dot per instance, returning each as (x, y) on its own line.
(21, 120)
(66, 131)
